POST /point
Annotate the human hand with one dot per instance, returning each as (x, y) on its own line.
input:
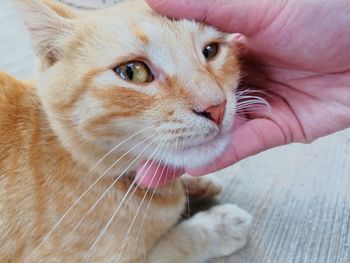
(296, 51)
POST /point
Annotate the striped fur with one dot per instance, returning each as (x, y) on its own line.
(55, 132)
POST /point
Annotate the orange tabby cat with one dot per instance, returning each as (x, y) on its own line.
(116, 87)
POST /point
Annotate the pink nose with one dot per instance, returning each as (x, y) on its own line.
(215, 113)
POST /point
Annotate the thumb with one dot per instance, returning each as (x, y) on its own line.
(240, 16)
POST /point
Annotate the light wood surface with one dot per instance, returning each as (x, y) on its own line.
(299, 195)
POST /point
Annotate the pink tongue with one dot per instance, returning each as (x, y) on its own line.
(153, 174)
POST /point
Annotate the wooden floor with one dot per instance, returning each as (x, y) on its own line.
(299, 195)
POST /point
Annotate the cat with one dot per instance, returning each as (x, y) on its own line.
(115, 87)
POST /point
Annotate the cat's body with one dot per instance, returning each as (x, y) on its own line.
(62, 199)
(36, 171)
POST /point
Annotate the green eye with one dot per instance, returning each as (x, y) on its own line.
(135, 71)
(211, 51)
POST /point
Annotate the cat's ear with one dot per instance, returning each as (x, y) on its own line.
(50, 25)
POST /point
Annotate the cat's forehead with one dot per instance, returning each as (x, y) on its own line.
(145, 27)
(141, 32)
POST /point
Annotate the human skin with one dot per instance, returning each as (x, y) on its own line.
(297, 52)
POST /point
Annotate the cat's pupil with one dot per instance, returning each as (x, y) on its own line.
(211, 51)
(129, 72)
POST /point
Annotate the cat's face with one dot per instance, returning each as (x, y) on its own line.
(112, 74)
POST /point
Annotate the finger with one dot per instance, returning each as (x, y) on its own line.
(242, 16)
(251, 138)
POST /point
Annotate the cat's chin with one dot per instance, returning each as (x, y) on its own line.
(157, 173)
(199, 155)
(205, 153)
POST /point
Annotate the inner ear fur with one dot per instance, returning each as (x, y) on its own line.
(50, 25)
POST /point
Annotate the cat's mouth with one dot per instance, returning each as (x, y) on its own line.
(158, 173)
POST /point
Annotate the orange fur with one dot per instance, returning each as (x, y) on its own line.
(54, 132)
(130, 101)
(141, 36)
(40, 181)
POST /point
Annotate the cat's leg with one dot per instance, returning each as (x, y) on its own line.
(218, 232)
(201, 187)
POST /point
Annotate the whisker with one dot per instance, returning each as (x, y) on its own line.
(76, 202)
(249, 97)
(104, 230)
(251, 100)
(247, 103)
(176, 149)
(113, 183)
(252, 106)
(120, 144)
(141, 204)
(245, 98)
(252, 91)
(244, 112)
(149, 203)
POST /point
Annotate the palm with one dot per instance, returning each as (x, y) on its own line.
(305, 62)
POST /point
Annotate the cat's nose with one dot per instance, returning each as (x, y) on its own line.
(215, 113)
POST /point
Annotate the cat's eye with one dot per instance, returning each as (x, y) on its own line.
(211, 51)
(135, 71)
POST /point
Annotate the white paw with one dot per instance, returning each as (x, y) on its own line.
(228, 227)
(201, 187)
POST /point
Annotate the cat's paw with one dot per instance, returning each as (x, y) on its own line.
(228, 227)
(201, 187)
